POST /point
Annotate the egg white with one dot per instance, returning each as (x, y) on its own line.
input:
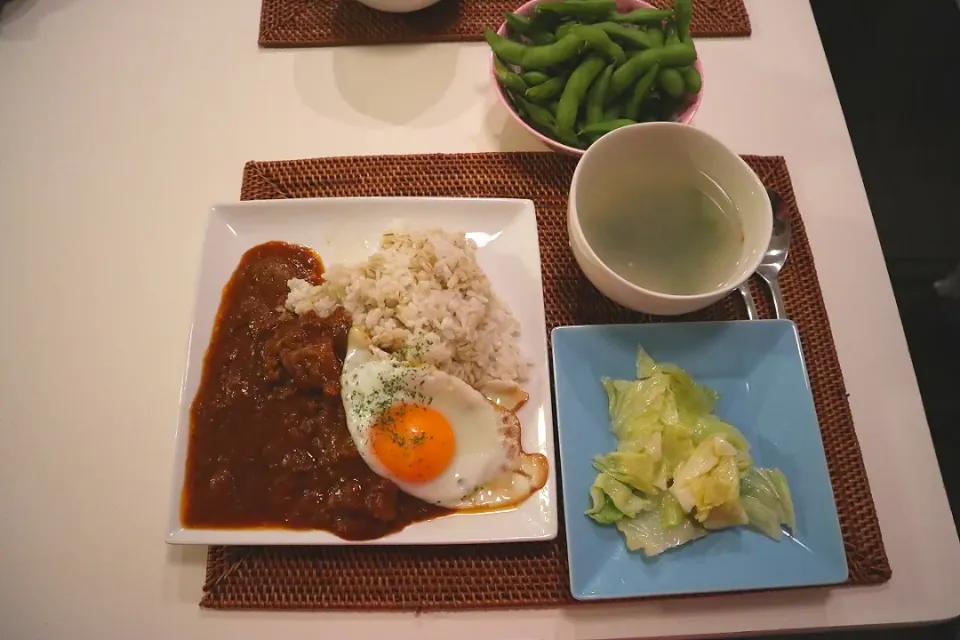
(486, 438)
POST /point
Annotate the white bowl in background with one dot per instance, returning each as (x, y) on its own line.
(398, 6)
(606, 176)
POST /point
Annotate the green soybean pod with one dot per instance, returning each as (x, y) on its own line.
(683, 9)
(538, 117)
(628, 37)
(546, 90)
(506, 49)
(599, 41)
(542, 23)
(640, 92)
(642, 16)
(568, 138)
(656, 36)
(600, 128)
(575, 91)
(542, 57)
(613, 111)
(630, 71)
(533, 78)
(650, 107)
(597, 96)
(691, 79)
(581, 123)
(508, 78)
(516, 23)
(579, 9)
(565, 29)
(675, 55)
(539, 38)
(671, 82)
(670, 35)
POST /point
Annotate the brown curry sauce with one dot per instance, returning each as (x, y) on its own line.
(269, 445)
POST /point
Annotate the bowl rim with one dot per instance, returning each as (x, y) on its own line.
(688, 113)
(576, 232)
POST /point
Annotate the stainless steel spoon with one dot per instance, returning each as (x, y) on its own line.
(748, 301)
(776, 254)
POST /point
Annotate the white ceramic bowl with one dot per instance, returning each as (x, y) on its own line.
(398, 6)
(607, 173)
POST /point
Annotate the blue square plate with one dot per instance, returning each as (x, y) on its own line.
(757, 367)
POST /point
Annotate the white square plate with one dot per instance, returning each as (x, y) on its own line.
(349, 229)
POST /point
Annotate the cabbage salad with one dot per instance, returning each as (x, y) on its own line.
(679, 471)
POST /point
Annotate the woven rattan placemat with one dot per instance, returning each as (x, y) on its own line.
(333, 23)
(528, 574)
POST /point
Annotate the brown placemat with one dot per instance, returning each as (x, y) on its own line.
(527, 574)
(334, 23)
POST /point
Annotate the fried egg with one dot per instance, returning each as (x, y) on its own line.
(433, 435)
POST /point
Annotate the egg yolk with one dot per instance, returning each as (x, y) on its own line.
(414, 442)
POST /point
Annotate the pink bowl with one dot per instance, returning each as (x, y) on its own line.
(623, 6)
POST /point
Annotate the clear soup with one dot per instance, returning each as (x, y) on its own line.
(675, 235)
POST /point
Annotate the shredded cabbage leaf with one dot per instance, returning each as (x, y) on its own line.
(766, 499)
(613, 500)
(647, 532)
(679, 471)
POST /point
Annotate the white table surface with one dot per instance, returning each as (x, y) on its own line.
(121, 121)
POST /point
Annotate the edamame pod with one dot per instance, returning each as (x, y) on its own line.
(675, 55)
(533, 78)
(671, 82)
(670, 35)
(600, 128)
(565, 29)
(613, 112)
(683, 9)
(541, 57)
(543, 120)
(504, 48)
(546, 90)
(640, 91)
(568, 138)
(597, 95)
(543, 23)
(537, 117)
(629, 38)
(599, 41)
(541, 37)
(691, 79)
(642, 16)
(516, 23)
(580, 9)
(536, 57)
(655, 34)
(575, 91)
(508, 78)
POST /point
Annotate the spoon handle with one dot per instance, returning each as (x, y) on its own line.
(779, 311)
(748, 301)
